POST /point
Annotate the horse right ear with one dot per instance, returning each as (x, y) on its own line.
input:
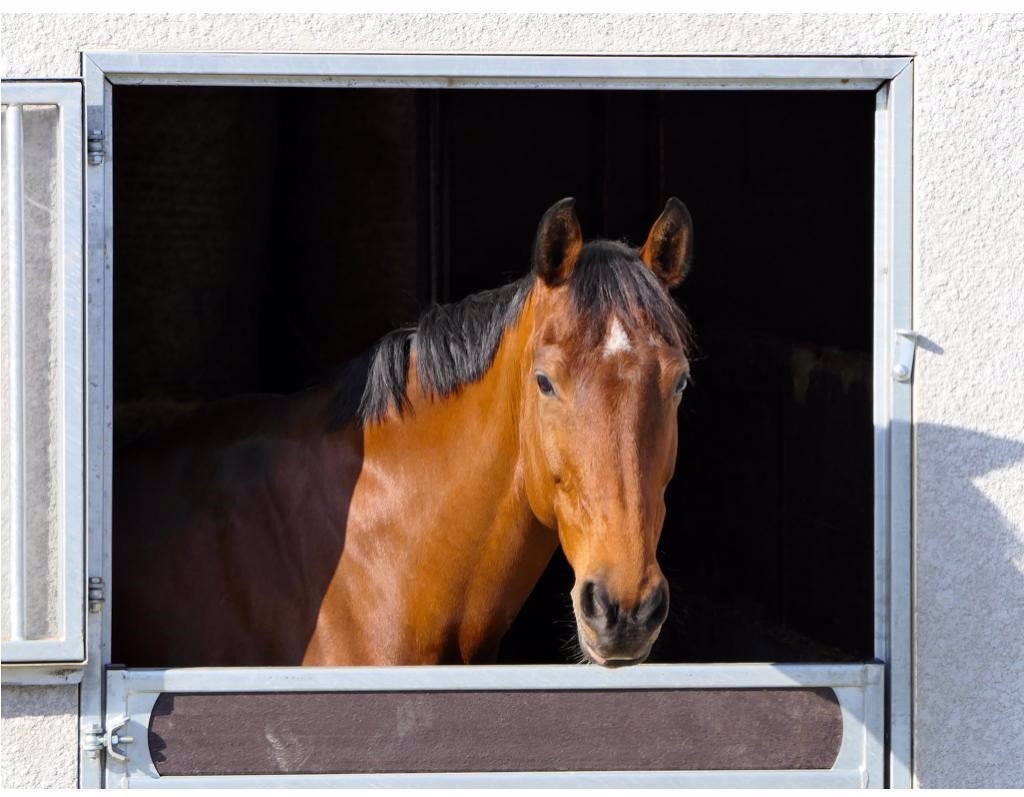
(558, 244)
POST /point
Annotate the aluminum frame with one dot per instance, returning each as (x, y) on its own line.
(890, 77)
(99, 352)
(893, 420)
(369, 70)
(20, 654)
(132, 694)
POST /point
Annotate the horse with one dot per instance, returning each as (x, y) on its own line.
(402, 511)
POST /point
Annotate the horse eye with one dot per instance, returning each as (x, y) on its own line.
(545, 385)
(681, 384)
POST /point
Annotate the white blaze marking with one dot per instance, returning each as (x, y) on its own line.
(617, 339)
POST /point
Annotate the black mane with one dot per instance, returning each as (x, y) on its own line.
(456, 343)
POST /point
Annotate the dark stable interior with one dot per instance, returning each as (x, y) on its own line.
(264, 236)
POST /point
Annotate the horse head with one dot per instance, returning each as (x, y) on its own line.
(602, 383)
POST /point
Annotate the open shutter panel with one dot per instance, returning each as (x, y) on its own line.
(42, 450)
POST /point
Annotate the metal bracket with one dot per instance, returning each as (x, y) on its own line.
(903, 355)
(112, 739)
(95, 147)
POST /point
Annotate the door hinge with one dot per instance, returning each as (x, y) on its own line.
(96, 740)
(95, 147)
(903, 355)
(97, 594)
(93, 742)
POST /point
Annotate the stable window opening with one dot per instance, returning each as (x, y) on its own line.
(264, 236)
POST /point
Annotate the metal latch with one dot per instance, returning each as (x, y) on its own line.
(903, 356)
(112, 739)
(95, 147)
(96, 740)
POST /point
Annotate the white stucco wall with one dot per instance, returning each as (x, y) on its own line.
(39, 737)
(969, 292)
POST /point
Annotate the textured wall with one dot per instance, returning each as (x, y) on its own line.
(40, 737)
(969, 280)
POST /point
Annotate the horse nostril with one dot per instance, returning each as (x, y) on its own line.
(654, 609)
(588, 600)
(597, 606)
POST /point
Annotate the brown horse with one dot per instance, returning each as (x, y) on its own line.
(403, 513)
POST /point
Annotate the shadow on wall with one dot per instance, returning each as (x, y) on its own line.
(969, 609)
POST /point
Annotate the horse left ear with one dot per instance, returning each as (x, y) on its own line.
(558, 244)
(669, 244)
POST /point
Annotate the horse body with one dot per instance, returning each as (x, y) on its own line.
(259, 534)
(225, 527)
(261, 539)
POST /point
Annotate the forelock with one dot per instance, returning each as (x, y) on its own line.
(610, 282)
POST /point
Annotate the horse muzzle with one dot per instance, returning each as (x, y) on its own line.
(613, 636)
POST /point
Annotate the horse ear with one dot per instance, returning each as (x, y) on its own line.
(558, 243)
(669, 244)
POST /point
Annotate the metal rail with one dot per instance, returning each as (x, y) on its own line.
(14, 190)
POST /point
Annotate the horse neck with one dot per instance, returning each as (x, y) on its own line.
(479, 426)
(474, 524)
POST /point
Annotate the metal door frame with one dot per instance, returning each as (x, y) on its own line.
(890, 77)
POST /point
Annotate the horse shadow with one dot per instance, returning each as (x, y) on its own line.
(968, 607)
